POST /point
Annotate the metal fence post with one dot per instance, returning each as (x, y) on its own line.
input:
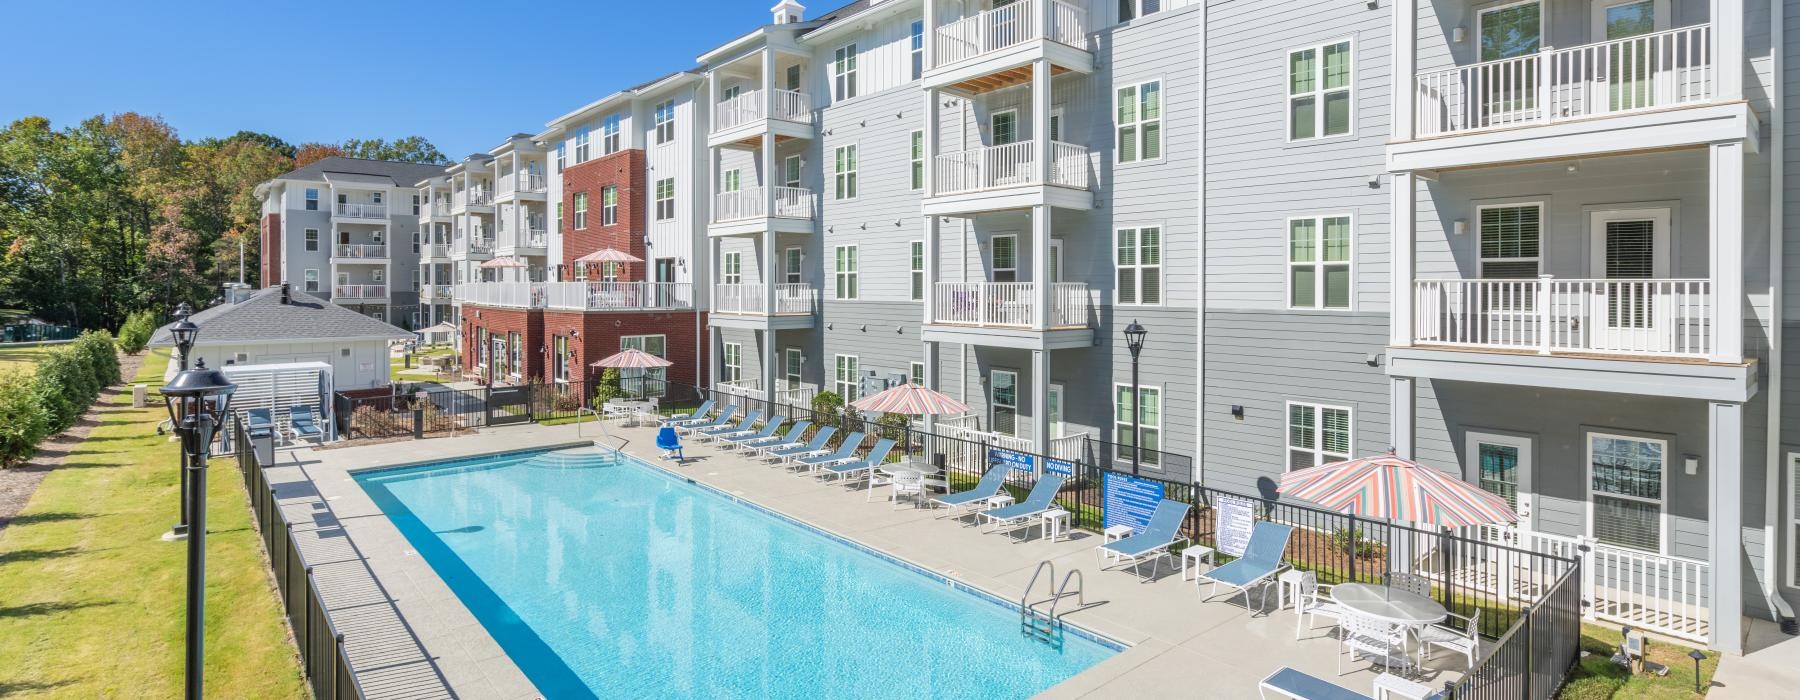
(1355, 536)
(1525, 630)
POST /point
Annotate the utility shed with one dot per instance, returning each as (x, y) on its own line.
(280, 326)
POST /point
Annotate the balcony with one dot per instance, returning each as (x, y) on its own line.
(972, 312)
(743, 211)
(351, 252)
(524, 295)
(436, 211)
(358, 291)
(435, 251)
(522, 183)
(472, 198)
(439, 292)
(618, 296)
(743, 306)
(995, 48)
(742, 120)
(348, 210)
(1007, 177)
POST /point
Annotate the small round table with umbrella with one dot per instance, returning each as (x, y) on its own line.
(911, 400)
(631, 358)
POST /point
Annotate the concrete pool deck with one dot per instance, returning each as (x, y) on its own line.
(409, 636)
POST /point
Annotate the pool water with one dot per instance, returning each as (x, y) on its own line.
(604, 577)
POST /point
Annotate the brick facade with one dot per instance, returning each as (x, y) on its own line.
(626, 169)
(271, 250)
(592, 335)
(500, 322)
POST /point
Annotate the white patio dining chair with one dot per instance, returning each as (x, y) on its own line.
(1313, 601)
(1371, 637)
(1466, 641)
(908, 484)
(1409, 582)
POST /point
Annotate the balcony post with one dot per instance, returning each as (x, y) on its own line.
(768, 272)
(929, 59)
(1542, 66)
(1040, 120)
(1040, 405)
(1728, 49)
(1725, 544)
(769, 356)
(768, 145)
(1726, 211)
(1406, 17)
(932, 117)
(1400, 426)
(1545, 315)
(931, 255)
(1040, 267)
(1400, 285)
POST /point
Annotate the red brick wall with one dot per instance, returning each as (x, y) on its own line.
(600, 333)
(271, 250)
(626, 170)
(500, 322)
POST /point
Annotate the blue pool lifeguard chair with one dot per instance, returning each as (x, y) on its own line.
(667, 441)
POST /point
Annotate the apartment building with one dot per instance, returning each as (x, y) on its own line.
(342, 229)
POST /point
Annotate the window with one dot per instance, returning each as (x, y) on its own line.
(312, 239)
(665, 199)
(791, 362)
(1317, 435)
(1509, 31)
(1319, 262)
(562, 155)
(312, 199)
(1003, 402)
(1004, 126)
(916, 373)
(375, 197)
(847, 380)
(1140, 122)
(1509, 240)
(731, 268)
(415, 205)
(1137, 265)
(609, 134)
(515, 355)
(559, 217)
(843, 73)
(733, 359)
(918, 160)
(1626, 479)
(844, 268)
(580, 210)
(918, 49)
(415, 278)
(379, 275)
(1006, 258)
(734, 180)
(791, 265)
(609, 205)
(844, 168)
(790, 170)
(343, 199)
(1131, 9)
(582, 149)
(648, 382)
(312, 280)
(415, 241)
(560, 365)
(731, 93)
(1319, 88)
(665, 122)
(793, 77)
(918, 270)
(1149, 422)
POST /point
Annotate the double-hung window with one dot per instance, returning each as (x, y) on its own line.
(1132, 9)
(918, 159)
(312, 280)
(791, 264)
(1148, 417)
(582, 149)
(1003, 401)
(1140, 122)
(1320, 84)
(609, 134)
(581, 210)
(734, 362)
(734, 180)
(1006, 258)
(645, 382)
(790, 170)
(665, 122)
(312, 239)
(665, 199)
(846, 378)
(918, 270)
(732, 268)
(916, 373)
(1317, 434)
(917, 48)
(515, 353)
(843, 73)
(1004, 126)
(1626, 482)
(1137, 265)
(559, 217)
(415, 205)
(1319, 262)
(1509, 240)
(560, 365)
(609, 205)
(844, 171)
(312, 199)
(562, 155)
(844, 271)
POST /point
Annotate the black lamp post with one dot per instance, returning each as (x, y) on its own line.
(1697, 657)
(1134, 340)
(198, 400)
(184, 333)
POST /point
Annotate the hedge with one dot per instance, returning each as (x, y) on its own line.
(66, 381)
(136, 332)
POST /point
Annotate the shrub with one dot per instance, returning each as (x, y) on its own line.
(893, 425)
(1353, 543)
(23, 421)
(101, 356)
(607, 388)
(136, 332)
(64, 386)
(371, 421)
(827, 407)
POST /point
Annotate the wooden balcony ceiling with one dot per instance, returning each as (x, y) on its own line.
(1680, 360)
(753, 142)
(1003, 79)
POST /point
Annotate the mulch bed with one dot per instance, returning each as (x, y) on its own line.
(18, 483)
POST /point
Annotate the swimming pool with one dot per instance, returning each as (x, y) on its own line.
(607, 577)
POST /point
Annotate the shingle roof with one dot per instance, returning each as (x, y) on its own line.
(400, 172)
(263, 318)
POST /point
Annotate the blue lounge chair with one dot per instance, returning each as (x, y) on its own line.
(717, 431)
(815, 447)
(1259, 565)
(725, 414)
(989, 486)
(1036, 503)
(768, 431)
(1163, 531)
(1288, 682)
(259, 422)
(301, 424)
(845, 453)
(670, 444)
(698, 416)
(864, 466)
(757, 444)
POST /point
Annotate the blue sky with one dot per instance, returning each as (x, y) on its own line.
(464, 75)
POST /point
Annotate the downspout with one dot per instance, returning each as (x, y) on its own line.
(1199, 475)
(1784, 613)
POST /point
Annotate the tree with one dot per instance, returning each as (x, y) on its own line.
(267, 141)
(310, 153)
(411, 149)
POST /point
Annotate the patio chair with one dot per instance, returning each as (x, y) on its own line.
(670, 444)
(698, 416)
(1313, 600)
(816, 446)
(768, 436)
(259, 422)
(905, 483)
(770, 425)
(961, 502)
(725, 415)
(1039, 500)
(1259, 565)
(1163, 531)
(1409, 582)
(301, 424)
(1290, 682)
(715, 432)
(1466, 641)
(1372, 637)
(846, 452)
(865, 466)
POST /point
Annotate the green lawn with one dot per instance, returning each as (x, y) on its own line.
(91, 597)
(22, 357)
(1596, 677)
(397, 363)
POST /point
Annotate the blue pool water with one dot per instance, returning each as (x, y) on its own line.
(610, 578)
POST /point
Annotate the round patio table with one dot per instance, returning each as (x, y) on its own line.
(1383, 603)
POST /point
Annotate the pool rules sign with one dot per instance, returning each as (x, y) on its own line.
(1236, 516)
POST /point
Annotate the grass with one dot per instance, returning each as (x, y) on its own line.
(397, 363)
(23, 357)
(1596, 677)
(91, 599)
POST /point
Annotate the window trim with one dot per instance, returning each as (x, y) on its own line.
(1288, 96)
(853, 274)
(310, 199)
(994, 267)
(915, 48)
(915, 373)
(1138, 255)
(581, 210)
(609, 210)
(731, 361)
(664, 109)
(309, 240)
(916, 150)
(839, 177)
(1161, 120)
(1543, 212)
(583, 145)
(1587, 485)
(993, 425)
(1318, 449)
(798, 375)
(609, 134)
(1318, 263)
(1120, 426)
(309, 279)
(791, 171)
(844, 81)
(994, 126)
(731, 267)
(916, 268)
(660, 199)
(839, 384)
(792, 271)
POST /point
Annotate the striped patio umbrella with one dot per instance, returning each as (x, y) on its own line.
(606, 255)
(502, 263)
(1388, 487)
(910, 399)
(632, 358)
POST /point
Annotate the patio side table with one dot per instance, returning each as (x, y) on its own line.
(1389, 686)
(1288, 581)
(1195, 554)
(1114, 534)
(1055, 524)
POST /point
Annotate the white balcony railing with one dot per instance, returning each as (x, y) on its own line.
(435, 291)
(747, 203)
(435, 250)
(535, 237)
(1666, 317)
(748, 388)
(790, 105)
(1008, 304)
(790, 299)
(359, 291)
(795, 393)
(522, 181)
(593, 296)
(361, 211)
(378, 251)
(440, 207)
(474, 198)
(1662, 69)
(481, 245)
(528, 295)
(1005, 27)
(1009, 165)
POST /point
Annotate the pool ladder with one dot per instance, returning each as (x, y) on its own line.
(1044, 624)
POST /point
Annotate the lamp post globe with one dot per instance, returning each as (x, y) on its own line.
(198, 400)
(184, 332)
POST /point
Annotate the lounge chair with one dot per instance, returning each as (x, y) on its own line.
(864, 466)
(725, 414)
(1288, 682)
(846, 452)
(767, 434)
(1153, 543)
(716, 431)
(1035, 504)
(1259, 565)
(698, 416)
(748, 432)
(813, 447)
(259, 422)
(961, 502)
(301, 424)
